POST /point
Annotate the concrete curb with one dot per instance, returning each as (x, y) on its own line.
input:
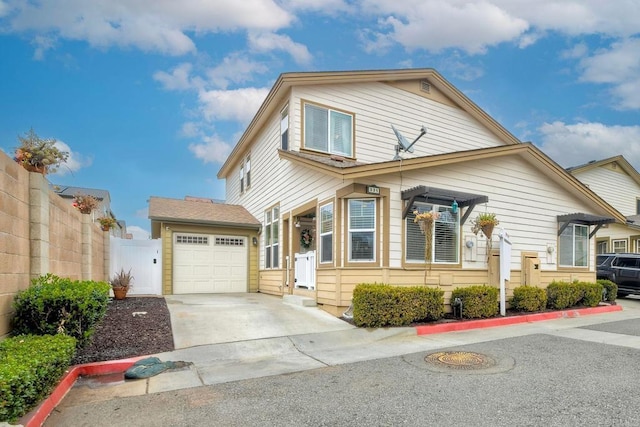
(38, 416)
(512, 320)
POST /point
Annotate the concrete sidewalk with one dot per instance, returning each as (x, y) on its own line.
(266, 355)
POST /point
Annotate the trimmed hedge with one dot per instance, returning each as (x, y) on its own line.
(30, 367)
(610, 287)
(376, 305)
(478, 301)
(529, 298)
(561, 295)
(54, 305)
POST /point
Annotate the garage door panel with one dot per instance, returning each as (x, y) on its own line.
(208, 263)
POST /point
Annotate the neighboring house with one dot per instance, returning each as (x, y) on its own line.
(104, 205)
(320, 159)
(617, 182)
(207, 246)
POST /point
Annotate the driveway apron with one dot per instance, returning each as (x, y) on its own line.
(202, 319)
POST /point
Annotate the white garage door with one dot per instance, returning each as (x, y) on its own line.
(207, 263)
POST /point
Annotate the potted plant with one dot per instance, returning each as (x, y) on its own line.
(106, 222)
(39, 155)
(121, 283)
(484, 222)
(85, 203)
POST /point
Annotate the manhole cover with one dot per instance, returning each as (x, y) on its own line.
(460, 360)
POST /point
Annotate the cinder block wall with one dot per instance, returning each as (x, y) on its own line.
(41, 233)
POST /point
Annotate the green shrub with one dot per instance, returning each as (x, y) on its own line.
(561, 295)
(30, 367)
(610, 287)
(591, 293)
(529, 298)
(54, 305)
(477, 301)
(377, 305)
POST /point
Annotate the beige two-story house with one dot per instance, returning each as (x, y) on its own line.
(335, 166)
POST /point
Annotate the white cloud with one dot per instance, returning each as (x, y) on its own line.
(149, 25)
(578, 51)
(576, 144)
(237, 105)
(234, 69)
(618, 66)
(268, 42)
(328, 7)
(435, 25)
(75, 161)
(212, 150)
(139, 233)
(178, 79)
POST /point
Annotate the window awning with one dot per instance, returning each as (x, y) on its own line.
(441, 196)
(583, 219)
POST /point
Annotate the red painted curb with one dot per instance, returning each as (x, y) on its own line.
(38, 416)
(512, 320)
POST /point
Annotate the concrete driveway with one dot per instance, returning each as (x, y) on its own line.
(202, 319)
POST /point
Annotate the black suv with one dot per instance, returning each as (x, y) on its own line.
(622, 269)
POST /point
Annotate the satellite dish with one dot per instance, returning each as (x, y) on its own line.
(403, 144)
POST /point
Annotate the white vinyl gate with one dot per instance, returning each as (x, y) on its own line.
(305, 270)
(143, 258)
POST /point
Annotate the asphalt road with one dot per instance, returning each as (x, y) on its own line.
(539, 379)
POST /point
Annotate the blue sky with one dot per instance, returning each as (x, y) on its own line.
(149, 96)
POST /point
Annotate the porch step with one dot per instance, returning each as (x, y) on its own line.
(299, 300)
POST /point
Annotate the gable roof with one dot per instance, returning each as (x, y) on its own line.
(69, 192)
(619, 160)
(200, 211)
(527, 150)
(286, 81)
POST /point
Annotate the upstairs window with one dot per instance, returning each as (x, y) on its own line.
(242, 178)
(328, 130)
(284, 129)
(247, 171)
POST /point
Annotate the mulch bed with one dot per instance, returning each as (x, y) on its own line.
(134, 326)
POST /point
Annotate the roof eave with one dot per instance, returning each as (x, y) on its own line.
(253, 226)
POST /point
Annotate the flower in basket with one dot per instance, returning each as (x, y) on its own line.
(106, 222)
(85, 203)
(425, 219)
(484, 222)
(39, 155)
(306, 239)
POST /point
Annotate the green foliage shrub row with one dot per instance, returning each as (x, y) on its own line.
(610, 287)
(478, 301)
(55, 305)
(376, 305)
(561, 295)
(529, 299)
(30, 367)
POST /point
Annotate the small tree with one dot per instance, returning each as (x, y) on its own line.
(39, 155)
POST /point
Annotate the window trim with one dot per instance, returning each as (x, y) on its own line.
(242, 178)
(247, 167)
(284, 131)
(330, 233)
(303, 146)
(572, 227)
(613, 245)
(458, 247)
(373, 230)
(271, 222)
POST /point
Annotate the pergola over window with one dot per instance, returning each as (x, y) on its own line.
(439, 196)
(583, 219)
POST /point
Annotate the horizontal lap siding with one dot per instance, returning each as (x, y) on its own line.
(377, 105)
(614, 186)
(271, 282)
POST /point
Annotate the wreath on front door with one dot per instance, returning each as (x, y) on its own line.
(306, 239)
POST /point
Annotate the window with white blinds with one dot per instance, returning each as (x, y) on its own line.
(445, 247)
(271, 238)
(326, 233)
(328, 130)
(362, 229)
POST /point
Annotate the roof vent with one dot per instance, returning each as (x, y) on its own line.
(337, 158)
(425, 86)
